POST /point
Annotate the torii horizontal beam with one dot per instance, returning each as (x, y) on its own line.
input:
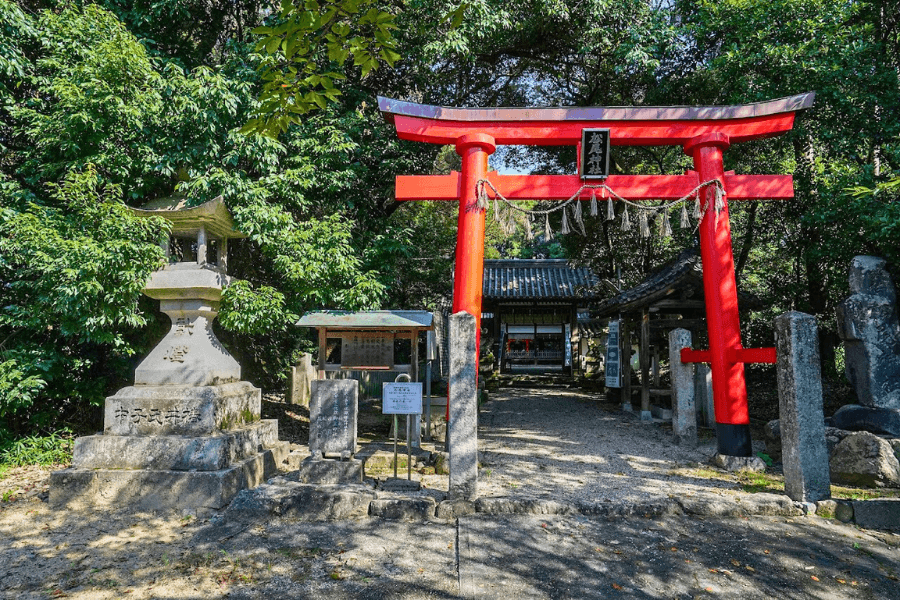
(629, 125)
(562, 187)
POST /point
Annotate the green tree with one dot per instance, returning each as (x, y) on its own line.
(70, 309)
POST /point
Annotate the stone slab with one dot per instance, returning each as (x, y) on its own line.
(523, 506)
(658, 412)
(462, 429)
(397, 484)
(403, 509)
(804, 452)
(882, 513)
(181, 409)
(333, 414)
(709, 504)
(326, 502)
(329, 472)
(453, 509)
(143, 490)
(855, 417)
(173, 452)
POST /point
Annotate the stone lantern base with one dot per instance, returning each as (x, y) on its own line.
(172, 447)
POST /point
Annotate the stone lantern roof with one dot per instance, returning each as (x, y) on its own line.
(186, 221)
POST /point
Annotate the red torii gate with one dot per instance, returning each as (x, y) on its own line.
(704, 133)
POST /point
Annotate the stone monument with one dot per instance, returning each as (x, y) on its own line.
(187, 435)
(333, 416)
(869, 326)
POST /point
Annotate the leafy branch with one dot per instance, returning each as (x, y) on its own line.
(306, 48)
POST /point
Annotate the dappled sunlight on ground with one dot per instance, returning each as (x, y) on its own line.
(569, 446)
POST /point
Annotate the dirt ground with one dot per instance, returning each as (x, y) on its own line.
(105, 556)
(90, 555)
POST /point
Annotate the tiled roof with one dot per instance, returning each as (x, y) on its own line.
(680, 279)
(539, 279)
(686, 271)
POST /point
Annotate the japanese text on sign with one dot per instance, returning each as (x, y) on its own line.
(594, 153)
(402, 399)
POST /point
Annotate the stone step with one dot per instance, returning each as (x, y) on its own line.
(174, 452)
(163, 490)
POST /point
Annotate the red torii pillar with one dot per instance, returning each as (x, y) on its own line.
(703, 132)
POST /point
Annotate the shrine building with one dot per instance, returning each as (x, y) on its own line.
(530, 312)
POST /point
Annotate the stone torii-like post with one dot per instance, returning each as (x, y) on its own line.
(704, 134)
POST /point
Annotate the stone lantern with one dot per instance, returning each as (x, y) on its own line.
(189, 288)
(187, 435)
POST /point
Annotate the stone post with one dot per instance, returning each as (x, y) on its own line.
(684, 415)
(462, 429)
(300, 381)
(804, 451)
(704, 395)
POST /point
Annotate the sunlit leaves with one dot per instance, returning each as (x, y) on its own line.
(307, 47)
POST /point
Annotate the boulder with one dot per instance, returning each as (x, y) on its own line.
(864, 459)
(834, 436)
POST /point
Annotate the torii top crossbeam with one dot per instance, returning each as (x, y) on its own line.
(703, 132)
(629, 125)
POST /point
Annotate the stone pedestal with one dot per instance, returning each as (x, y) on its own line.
(172, 448)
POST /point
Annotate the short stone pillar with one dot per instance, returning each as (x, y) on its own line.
(703, 394)
(804, 450)
(462, 429)
(300, 381)
(684, 414)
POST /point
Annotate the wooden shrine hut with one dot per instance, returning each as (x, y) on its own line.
(671, 298)
(530, 312)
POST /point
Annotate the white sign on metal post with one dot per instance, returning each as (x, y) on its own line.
(402, 398)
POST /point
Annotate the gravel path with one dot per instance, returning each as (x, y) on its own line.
(564, 445)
